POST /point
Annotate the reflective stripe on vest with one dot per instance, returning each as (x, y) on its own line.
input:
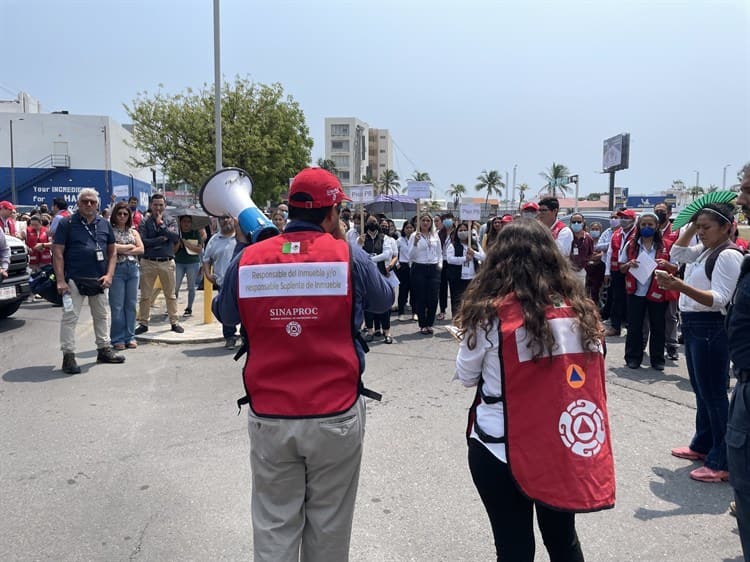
(295, 299)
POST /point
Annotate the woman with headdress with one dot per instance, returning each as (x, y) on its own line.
(713, 267)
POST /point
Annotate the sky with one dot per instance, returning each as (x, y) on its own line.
(463, 86)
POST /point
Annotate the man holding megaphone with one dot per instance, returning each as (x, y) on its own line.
(301, 297)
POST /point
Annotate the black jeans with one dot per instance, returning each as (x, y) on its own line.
(738, 457)
(444, 288)
(638, 308)
(403, 272)
(616, 300)
(458, 286)
(425, 284)
(511, 514)
(381, 321)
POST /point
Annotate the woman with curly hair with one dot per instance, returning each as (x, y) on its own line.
(531, 342)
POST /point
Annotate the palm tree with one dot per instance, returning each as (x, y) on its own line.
(367, 179)
(456, 191)
(388, 182)
(522, 188)
(327, 164)
(555, 172)
(492, 182)
(695, 191)
(712, 188)
(420, 176)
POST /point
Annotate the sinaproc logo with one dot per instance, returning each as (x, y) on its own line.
(293, 328)
(582, 428)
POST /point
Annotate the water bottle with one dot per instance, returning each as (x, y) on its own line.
(67, 302)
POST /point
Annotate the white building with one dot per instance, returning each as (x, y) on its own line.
(381, 152)
(48, 155)
(347, 146)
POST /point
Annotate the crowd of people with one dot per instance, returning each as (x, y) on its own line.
(522, 289)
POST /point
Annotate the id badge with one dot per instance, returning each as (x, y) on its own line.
(99, 255)
(575, 251)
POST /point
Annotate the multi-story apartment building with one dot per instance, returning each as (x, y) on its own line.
(347, 146)
(357, 150)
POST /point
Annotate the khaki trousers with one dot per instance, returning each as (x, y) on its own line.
(150, 270)
(99, 305)
(305, 477)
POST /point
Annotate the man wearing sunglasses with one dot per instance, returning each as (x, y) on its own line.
(84, 262)
(547, 214)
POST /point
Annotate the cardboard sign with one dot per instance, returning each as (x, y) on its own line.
(362, 193)
(470, 212)
(418, 189)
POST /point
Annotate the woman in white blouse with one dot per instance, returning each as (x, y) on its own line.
(463, 255)
(403, 271)
(426, 256)
(710, 279)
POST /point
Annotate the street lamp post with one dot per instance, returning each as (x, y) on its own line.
(513, 189)
(217, 85)
(12, 168)
(724, 177)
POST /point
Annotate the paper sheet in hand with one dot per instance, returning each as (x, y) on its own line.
(646, 266)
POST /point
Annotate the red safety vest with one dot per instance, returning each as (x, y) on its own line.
(295, 300)
(44, 256)
(556, 228)
(654, 293)
(618, 238)
(557, 436)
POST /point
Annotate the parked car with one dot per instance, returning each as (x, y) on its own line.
(15, 288)
(591, 216)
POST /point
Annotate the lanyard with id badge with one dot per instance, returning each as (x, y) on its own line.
(99, 251)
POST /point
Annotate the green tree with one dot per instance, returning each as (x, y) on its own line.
(555, 172)
(522, 189)
(456, 192)
(695, 191)
(492, 182)
(388, 182)
(420, 176)
(263, 132)
(367, 179)
(327, 164)
(711, 188)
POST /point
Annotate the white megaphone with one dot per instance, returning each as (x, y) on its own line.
(227, 193)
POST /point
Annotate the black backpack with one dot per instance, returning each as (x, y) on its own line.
(714, 255)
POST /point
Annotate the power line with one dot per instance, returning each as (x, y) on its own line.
(404, 153)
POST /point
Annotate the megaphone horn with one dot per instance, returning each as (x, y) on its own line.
(227, 192)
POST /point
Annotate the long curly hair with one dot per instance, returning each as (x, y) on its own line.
(525, 260)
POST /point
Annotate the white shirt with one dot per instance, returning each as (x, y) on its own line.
(352, 235)
(565, 240)
(467, 267)
(403, 249)
(484, 360)
(723, 278)
(642, 288)
(387, 253)
(428, 250)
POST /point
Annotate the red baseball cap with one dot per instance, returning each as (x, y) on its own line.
(321, 185)
(506, 219)
(530, 205)
(7, 205)
(626, 214)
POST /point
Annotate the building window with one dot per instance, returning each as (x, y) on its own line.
(343, 174)
(340, 145)
(339, 130)
(341, 161)
(382, 151)
(382, 137)
(382, 165)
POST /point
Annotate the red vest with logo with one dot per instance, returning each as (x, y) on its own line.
(295, 300)
(557, 436)
(33, 237)
(618, 239)
(654, 293)
(556, 228)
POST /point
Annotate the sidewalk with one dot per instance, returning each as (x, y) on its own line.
(160, 330)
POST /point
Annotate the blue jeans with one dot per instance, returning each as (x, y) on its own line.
(707, 354)
(123, 296)
(180, 271)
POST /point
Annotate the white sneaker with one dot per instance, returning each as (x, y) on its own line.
(415, 318)
(403, 318)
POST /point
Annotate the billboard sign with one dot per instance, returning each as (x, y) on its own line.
(616, 153)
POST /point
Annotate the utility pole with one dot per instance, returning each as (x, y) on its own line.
(13, 197)
(724, 177)
(513, 190)
(217, 86)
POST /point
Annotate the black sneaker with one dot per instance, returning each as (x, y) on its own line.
(188, 312)
(672, 354)
(140, 329)
(69, 365)
(230, 343)
(177, 328)
(106, 355)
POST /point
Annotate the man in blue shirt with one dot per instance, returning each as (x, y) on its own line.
(84, 261)
(738, 427)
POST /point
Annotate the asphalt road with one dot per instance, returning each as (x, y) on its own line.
(149, 460)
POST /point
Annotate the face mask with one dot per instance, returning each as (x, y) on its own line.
(133, 208)
(373, 227)
(385, 229)
(614, 223)
(595, 234)
(285, 213)
(647, 231)
(448, 223)
(576, 227)
(626, 224)
(463, 236)
(528, 215)
(662, 216)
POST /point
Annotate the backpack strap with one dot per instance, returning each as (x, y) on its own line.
(714, 255)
